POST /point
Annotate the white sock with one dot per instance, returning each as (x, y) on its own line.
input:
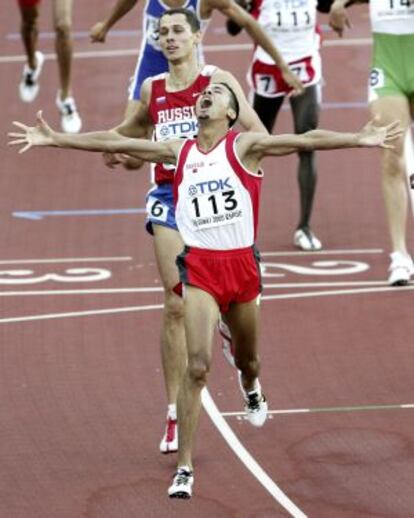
(172, 412)
(256, 385)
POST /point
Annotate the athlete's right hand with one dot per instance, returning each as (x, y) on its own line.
(338, 18)
(293, 81)
(98, 32)
(39, 135)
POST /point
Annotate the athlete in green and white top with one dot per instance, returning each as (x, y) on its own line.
(392, 72)
(391, 95)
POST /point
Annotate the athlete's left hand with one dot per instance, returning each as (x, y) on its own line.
(39, 135)
(372, 135)
(98, 32)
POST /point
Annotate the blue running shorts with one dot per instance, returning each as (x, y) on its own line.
(160, 207)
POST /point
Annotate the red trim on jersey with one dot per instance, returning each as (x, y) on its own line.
(256, 7)
(281, 87)
(162, 100)
(211, 149)
(251, 182)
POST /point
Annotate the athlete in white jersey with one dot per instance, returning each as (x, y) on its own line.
(219, 209)
(216, 207)
(391, 95)
(291, 25)
(166, 108)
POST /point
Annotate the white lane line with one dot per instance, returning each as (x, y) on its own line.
(358, 408)
(80, 292)
(127, 258)
(232, 47)
(31, 318)
(158, 289)
(65, 260)
(324, 284)
(324, 252)
(338, 292)
(159, 306)
(241, 452)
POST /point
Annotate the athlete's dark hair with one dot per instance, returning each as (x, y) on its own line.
(190, 16)
(234, 103)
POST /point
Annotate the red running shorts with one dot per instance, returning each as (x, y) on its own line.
(230, 276)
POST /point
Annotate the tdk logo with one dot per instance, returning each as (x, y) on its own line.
(209, 186)
(291, 4)
(181, 128)
(178, 129)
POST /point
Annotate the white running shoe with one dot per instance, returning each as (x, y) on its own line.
(182, 486)
(401, 269)
(227, 343)
(306, 240)
(169, 442)
(29, 85)
(70, 120)
(256, 407)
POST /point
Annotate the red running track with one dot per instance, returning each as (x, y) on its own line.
(82, 399)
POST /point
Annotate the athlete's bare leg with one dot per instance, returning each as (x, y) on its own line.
(243, 320)
(394, 183)
(201, 316)
(29, 32)
(62, 20)
(168, 244)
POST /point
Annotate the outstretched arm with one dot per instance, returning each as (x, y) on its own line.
(106, 141)
(255, 146)
(99, 31)
(242, 18)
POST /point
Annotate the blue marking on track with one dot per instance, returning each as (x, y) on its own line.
(37, 215)
(78, 35)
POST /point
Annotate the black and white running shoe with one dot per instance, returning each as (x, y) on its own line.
(182, 483)
(256, 407)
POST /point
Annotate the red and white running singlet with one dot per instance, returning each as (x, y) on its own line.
(291, 25)
(217, 198)
(173, 114)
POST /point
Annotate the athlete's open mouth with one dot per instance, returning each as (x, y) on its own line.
(206, 102)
